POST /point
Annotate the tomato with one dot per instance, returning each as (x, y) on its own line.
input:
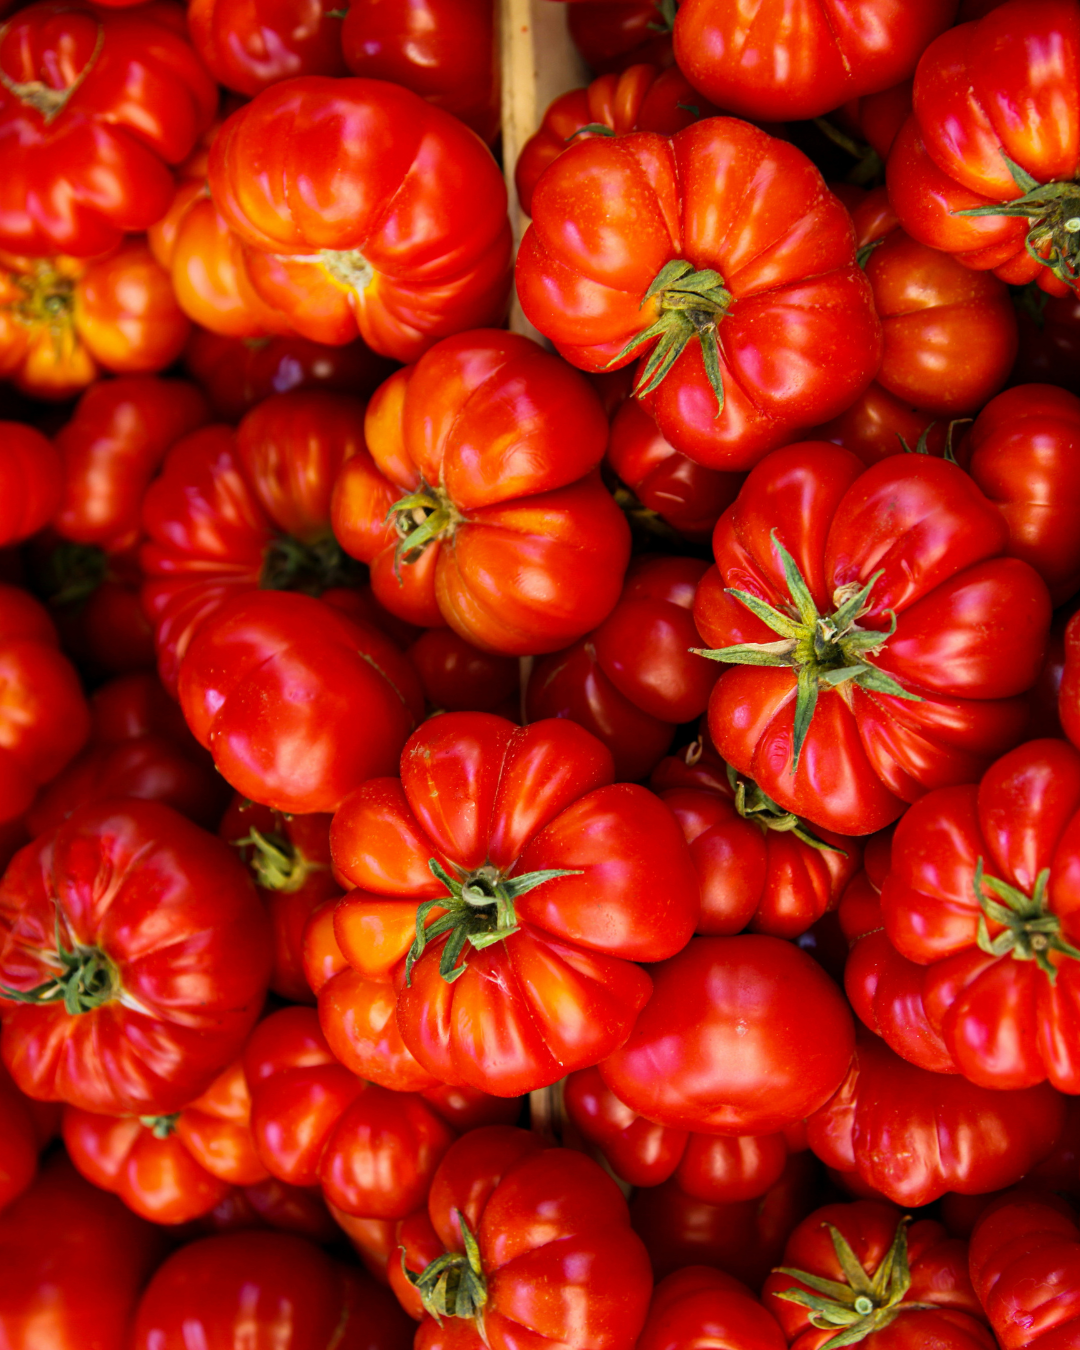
(71, 1282)
(1049, 339)
(633, 679)
(541, 1245)
(131, 1000)
(401, 278)
(94, 107)
(984, 167)
(444, 50)
(237, 510)
(701, 1306)
(31, 482)
(876, 423)
(639, 98)
(43, 716)
(1025, 1266)
(479, 505)
(248, 47)
(264, 1291)
(601, 283)
(912, 1135)
(611, 35)
(19, 1142)
(770, 61)
(289, 857)
(507, 886)
(742, 1035)
(64, 320)
(929, 636)
(458, 677)
(297, 703)
(885, 1285)
(760, 867)
(716, 1168)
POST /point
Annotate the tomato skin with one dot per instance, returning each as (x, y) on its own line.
(913, 1135)
(443, 50)
(18, 1142)
(167, 876)
(437, 263)
(612, 35)
(504, 440)
(587, 260)
(864, 755)
(31, 482)
(872, 425)
(458, 677)
(701, 1306)
(1050, 343)
(770, 1072)
(250, 47)
(137, 97)
(788, 65)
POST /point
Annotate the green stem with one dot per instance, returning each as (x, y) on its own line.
(86, 980)
(277, 863)
(453, 1285)
(1030, 930)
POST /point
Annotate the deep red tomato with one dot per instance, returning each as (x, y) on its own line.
(264, 1291)
(479, 505)
(458, 677)
(1025, 1266)
(31, 482)
(912, 1135)
(536, 883)
(613, 34)
(19, 1141)
(73, 1282)
(876, 423)
(985, 166)
(627, 232)
(760, 867)
(772, 61)
(94, 107)
(906, 639)
(742, 1035)
(636, 677)
(1049, 329)
(133, 998)
(881, 1276)
(331, 254)
(540, 1243)
(699, 1306)
(248, 47)
(444, 50)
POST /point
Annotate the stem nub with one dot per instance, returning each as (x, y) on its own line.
(753, 803)
(277, 863)
(419, 517)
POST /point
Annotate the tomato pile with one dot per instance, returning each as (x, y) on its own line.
(539, 686)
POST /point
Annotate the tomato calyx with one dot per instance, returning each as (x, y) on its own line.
(1030, 931)
(160, 1126)
(278, 864)
(864, 1304)
(692, 305)
(47, 297)
(420, 517)
(86, 979)
(348, 267)
(824, 650)
(290, 565)
(453, 1285)
(1054, 212)
(753, 804)
(74, 572)
(43, 98)
(479, 909)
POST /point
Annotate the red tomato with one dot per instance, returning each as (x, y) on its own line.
(131, 999)
(625, 230)
(701, 1306)
(539, 883)
(479, 505)
(540, 1241)
(31, 482)
(444, 50)
(898, 1287)
(760, 867)
(297, 703)
(772, 61)
(635, 678)
(613, 34)
(458, 677)
(1049, 339)
(927, 635)
(333, 256)
(248, 47)
(984, 167)
(264, 1291)
(742, 1035)
(874, 425)
(94, 105)
(19, 1142)
(73, 1282)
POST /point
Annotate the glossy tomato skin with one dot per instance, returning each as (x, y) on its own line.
(583, 271)
(458, 677)
(172, 884)
(75, 1286)
(250, 47)
(874, 424)
(970, 631)
(501, 440)
(240, 689)
(437, 263)
(443, 50)
(742, 1035)
(525, 800)
(612, 35)
(134, 99)
(264, 1291)
(555, 1244)
(702, 1306)
(31, 481)
(788, 65)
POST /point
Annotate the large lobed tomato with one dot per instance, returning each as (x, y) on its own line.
(881, 644)
(720, 254)
(508, 886)
(701, 1306)
(248, 47)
